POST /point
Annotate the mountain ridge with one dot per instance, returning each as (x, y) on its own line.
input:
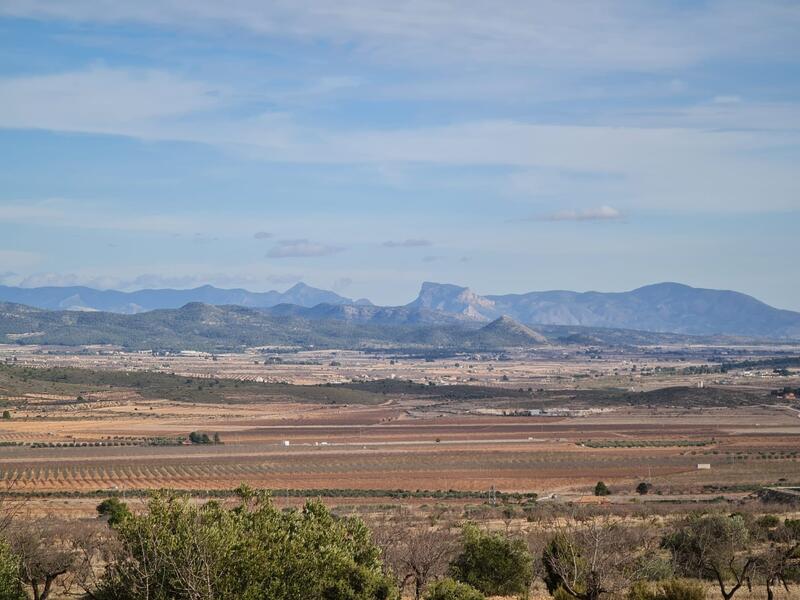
(86, 298)
(198, 326)
(662, 307)
(666, 307)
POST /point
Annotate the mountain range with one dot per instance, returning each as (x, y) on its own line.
(88, 299)
(197, 326)
(663, 308)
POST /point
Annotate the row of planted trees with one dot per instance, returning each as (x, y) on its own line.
(177, 549)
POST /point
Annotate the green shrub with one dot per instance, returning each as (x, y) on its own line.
(560, 593)
(656, 567)
(449, 589)
(253, 551)
(670, 589)
(601, 489)
(768, 521)
(197, 437)
(681, 589)
(10, 586)
(113, 508)
(493, 563)
(641, 590)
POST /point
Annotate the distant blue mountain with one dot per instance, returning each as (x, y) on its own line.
(84, 298)
(662, 307)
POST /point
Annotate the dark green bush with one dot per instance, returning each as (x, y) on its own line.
(113, 508)
(493, 563)
(670, 589)
(449, 589)
(10, 587)
(177, 550)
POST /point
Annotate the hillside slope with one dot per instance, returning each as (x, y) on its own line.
(663, 307)
(88, 299)
(197, 326)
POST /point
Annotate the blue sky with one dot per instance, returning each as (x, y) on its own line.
(367, 146)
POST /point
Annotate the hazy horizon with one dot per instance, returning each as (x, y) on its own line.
(402, 302)
(367, 147)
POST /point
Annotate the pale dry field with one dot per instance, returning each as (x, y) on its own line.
(402, 442)
(549, 367)
(381, 447)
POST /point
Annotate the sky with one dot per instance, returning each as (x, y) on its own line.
(367, 146)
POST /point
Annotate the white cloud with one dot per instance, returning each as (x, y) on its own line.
(603, 213)
(102, 100)
(409, 243)
(301, 248)
(726, 100)
(74, 214)
(685, 165)
(547, 33)
(707, 157)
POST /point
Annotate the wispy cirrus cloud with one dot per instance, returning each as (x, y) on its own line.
(103, 100)
(730, 140)
(602, 213)
(546, 33)
(301, 248)
(409, 243)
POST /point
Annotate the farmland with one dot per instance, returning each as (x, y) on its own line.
(92, 423)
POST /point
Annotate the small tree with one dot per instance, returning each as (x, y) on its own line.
(449, 589)
(778, 561)
(418, 555)
(592, 558)
(45, 554)
(6, 414)
(114, 509)
(716, 547)
(492, 563)
(197, 437)
(643, 488)
(601, 489)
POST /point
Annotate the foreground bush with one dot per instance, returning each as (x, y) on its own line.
(178, 550)
(493, 563)
(598, 558)
(10, 588)
(449, 589)
(716, 547)
(671, 589)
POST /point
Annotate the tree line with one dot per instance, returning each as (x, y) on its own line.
(179, 549)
